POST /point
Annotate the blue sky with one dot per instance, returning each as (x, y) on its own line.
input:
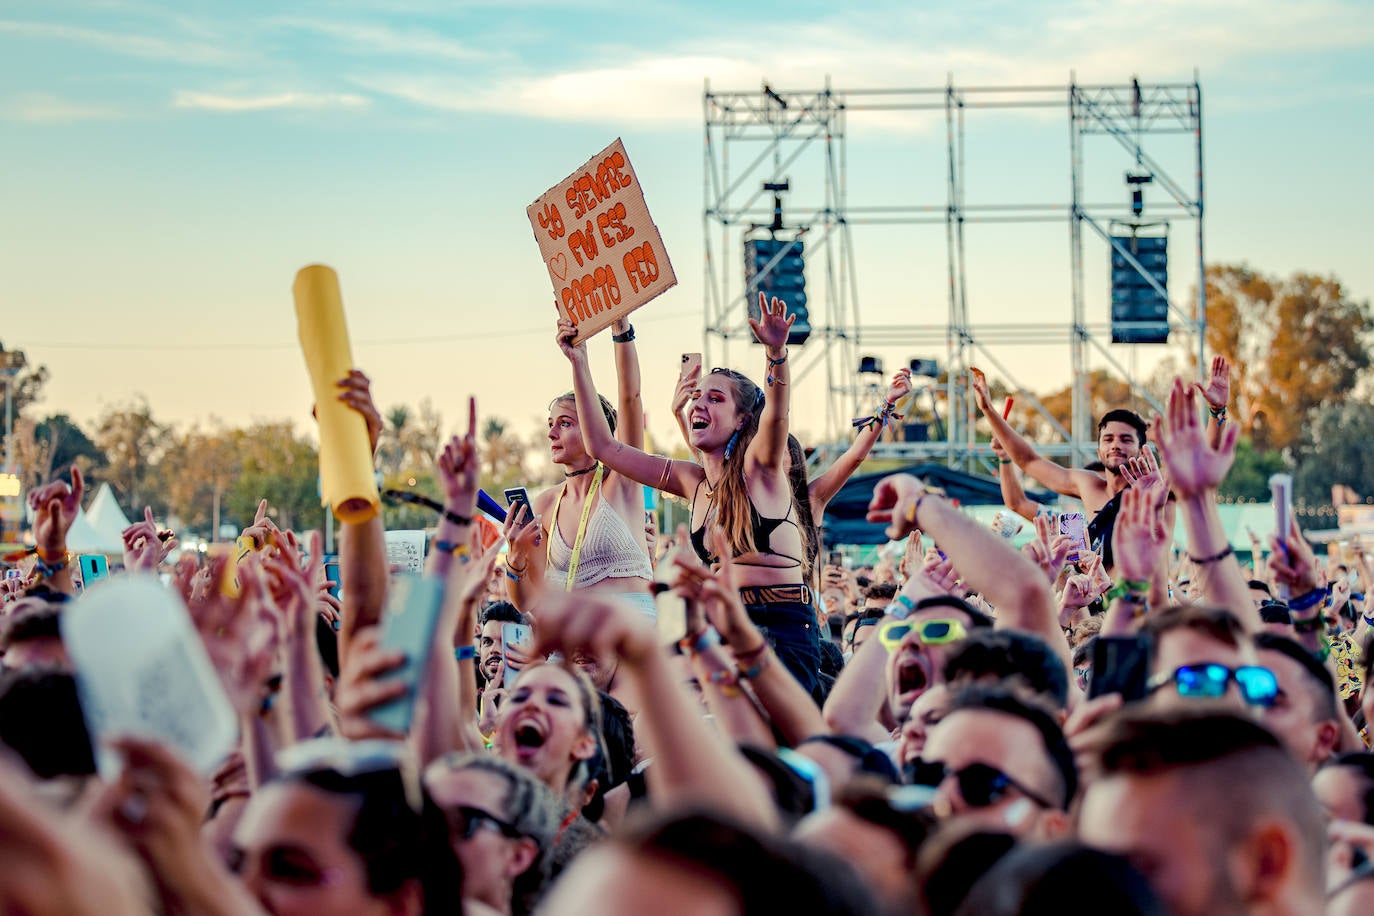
(167, 167)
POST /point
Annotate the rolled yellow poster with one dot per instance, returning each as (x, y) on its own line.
(347, 481)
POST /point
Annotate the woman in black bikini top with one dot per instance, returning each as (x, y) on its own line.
(740, 432)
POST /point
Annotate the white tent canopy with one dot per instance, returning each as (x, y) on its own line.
(100, 528)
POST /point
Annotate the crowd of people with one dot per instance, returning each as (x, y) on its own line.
(719, 719)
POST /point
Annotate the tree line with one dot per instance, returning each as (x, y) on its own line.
(1301, 385)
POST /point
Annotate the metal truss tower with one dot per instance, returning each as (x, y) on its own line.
(758, 136)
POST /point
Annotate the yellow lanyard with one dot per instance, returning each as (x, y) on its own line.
(581, 526)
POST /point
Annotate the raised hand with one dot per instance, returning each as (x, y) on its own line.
(355, 390)
(363, 685)
(1194, 467)
(459, 466)
(900, 386)
(143, 549)
(242, 634)
(773, 324)
(590, 622)
(522, 532)
(978, 383)
(1217, 391)
(1139, 541)
(55, 505)
(682, 395)
(1049, 550)
(938, 577)
(1293, 563)
(894, 501)
(564, 336)
(1143, 474)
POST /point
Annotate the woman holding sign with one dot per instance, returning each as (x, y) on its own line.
(590, 530)
(740, 486)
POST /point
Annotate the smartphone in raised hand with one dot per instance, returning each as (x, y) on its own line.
(691, 365)
(1121, 664)
(409, 625)
(517, 647)
(517, 496)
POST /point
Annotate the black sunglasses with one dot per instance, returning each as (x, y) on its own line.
(980, 784)
(466, 820)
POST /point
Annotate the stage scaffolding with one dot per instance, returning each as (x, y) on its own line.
(759, 136)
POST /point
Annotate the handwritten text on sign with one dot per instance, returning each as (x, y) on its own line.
(603, 252)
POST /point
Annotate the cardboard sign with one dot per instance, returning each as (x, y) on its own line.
(599, 244)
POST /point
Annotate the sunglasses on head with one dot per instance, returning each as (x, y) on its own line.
(980, 784)
(934, 632)
(466, 820)
(1209, 680)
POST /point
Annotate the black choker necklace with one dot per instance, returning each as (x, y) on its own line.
(583, 471)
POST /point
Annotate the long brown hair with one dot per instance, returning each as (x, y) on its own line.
(731, 493)
(801, 498)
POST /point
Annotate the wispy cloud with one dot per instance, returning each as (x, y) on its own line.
(310, 101)
(150, 47)
(44, 108)
(906, 46)
(378, 39)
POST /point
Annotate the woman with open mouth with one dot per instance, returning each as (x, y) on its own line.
(550, 724)
(590, 528)
(740, 486)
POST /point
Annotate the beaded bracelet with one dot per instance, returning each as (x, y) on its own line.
(1203, 561)
(697, 643)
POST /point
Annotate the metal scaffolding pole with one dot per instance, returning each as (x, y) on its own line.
(807, 130)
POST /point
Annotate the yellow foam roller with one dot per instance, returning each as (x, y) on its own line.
(347, 481)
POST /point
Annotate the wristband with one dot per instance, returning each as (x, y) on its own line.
(512, 575)
(1369, 621)
(754, 670)
(1004, 461)
(1133, 591)
(1218, 413)
(46, 569)
(1203, 561)
(624, 338)
(464, 653)
(458, 550)
(904, 606)
(726, 680)
(774, 363)
(700, 642)
(1307, 600)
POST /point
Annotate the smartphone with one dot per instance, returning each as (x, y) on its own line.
(517, 645)
(1121, 664)
(834, 558)
(517, 495)
(1071, 525)
(94, 567)
(331, 573)
(408, 626)
(691, 364)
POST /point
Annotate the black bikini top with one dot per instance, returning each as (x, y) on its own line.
(762, 529)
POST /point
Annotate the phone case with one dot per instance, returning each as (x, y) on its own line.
(94, 567)
(412, 615)
(517, 644)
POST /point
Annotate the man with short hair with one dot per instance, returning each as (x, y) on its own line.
(1304, 714)
(1009, 657)
(489, 642)
(1202, 655)
(1211, 808)
(999, 762)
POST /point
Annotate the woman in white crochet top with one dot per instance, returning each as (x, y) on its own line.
(589, 531)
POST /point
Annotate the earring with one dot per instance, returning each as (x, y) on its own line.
(730, 446)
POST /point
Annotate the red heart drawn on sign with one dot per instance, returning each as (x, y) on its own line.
(558, 266)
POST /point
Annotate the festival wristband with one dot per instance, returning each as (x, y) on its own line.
(464, 653)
